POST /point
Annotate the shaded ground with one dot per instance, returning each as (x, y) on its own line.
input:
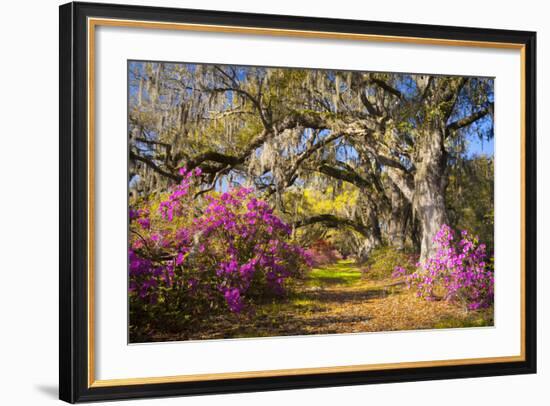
(340, 298)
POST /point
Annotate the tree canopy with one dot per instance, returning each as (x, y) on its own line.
(369, 158)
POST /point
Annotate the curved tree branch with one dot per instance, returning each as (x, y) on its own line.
(150, 163)
(384, 85)
(466, 121)
(343, 174)
(330, 220)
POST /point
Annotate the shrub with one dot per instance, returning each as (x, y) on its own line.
(192, 256)
(383, 260)
(323, 252)
(458, 271)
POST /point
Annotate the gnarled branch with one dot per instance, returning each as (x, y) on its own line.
(466, 121)
(330, 220)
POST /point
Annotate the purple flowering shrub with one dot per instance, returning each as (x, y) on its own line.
(323, 252)
(195, 255)
(457, 272)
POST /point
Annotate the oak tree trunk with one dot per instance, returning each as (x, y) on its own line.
(429, 184)
(369, 243)
(398, 219)
(374, 238)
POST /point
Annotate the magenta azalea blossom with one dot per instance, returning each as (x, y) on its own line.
(218, 252)
(458, 269)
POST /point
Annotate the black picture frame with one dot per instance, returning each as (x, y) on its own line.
(74, 384)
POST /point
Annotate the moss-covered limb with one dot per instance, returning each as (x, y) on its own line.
(330, 220)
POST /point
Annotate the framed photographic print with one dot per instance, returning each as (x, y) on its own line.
(257, 202)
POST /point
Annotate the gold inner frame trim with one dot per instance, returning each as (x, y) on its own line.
(94, 22)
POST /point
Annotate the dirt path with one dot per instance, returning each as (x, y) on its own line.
(341, 299)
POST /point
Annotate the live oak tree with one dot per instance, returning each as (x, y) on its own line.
(394, 137)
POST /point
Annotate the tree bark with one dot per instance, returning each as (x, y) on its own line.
(374, 238)
(398, 219)
(429, 183)
(369, 243)
(332, 221)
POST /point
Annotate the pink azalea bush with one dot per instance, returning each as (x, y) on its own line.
(191, 256)
(457, 272)
(323, 252)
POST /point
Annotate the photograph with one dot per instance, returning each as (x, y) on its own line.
(288, 201)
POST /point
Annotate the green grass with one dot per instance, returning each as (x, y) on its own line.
(481, 318)
(303, 302)
(344, 272)
(383, 260)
